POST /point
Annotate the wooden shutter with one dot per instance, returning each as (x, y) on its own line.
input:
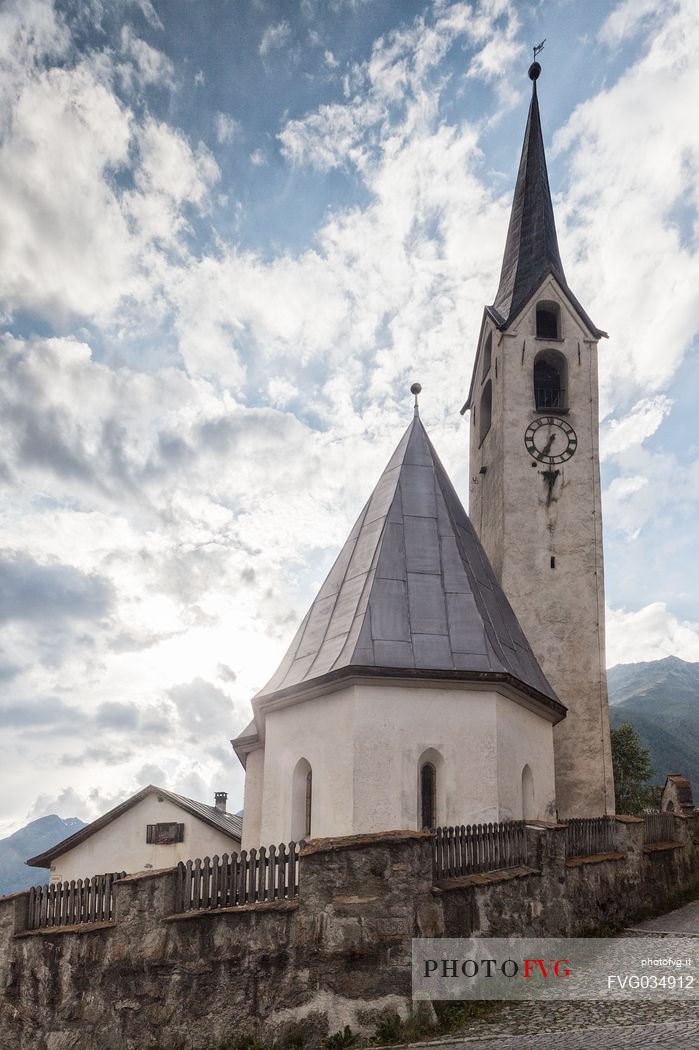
(150, 832)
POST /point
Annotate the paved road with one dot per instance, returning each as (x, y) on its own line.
(624, 1025)
(684, 922)
(678, 1035)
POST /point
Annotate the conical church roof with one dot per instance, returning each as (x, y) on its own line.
(531, 249)
(412, 594)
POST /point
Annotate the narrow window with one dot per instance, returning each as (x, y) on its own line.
(528, 808)
(553, 562)
(548, 318)
(550, 381)
(428, 796)
(486, 409)
(487, 355)
(309, 795)
(301, 800)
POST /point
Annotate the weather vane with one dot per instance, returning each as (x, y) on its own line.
(538, 48)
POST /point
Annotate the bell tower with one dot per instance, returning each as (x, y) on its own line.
(535, 479)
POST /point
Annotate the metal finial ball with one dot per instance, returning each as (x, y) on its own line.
(415, 389)
(534, 71)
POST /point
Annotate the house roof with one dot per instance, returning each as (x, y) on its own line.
(683, 788)
(411, 594)
(531, 248)
(228, 823)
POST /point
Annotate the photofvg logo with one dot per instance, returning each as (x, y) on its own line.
(555, 968)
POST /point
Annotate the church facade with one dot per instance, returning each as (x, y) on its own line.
(451, 668)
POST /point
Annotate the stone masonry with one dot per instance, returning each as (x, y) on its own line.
(295, 971)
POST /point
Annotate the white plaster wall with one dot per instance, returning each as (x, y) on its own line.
(321, 731)
(561, 610)
(364, 745)
(524, 738)
(122, 846)
(252, 804)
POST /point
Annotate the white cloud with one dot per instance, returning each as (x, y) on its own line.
(146, 65)
(629, 213)
(650, 633)
(274, 37)
(227, 128)
(638, 424)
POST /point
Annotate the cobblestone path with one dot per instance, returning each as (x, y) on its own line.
(593, 1025)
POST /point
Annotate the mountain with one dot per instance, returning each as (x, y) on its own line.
(661, 701)
(33, 838)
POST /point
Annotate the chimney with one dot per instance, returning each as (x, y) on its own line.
(221, 797)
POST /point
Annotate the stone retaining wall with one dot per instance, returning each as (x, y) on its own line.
(296, 971)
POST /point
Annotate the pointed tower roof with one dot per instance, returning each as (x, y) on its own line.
(411, 595)
(531, 249)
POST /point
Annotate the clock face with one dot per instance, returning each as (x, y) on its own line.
(550, 439)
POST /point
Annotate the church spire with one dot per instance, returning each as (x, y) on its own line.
(531, 249)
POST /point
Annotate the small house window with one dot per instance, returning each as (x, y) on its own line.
(486, 409)
(550, 381)
(165, 834)
(548, 320)
(487, 355)
(428, 796)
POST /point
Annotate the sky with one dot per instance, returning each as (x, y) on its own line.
(232, 234)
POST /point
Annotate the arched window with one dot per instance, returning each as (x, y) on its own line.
(428, 796)
(486, 409)
(301, 800)
(548, 320)
(528, 810)
(487, 355)
(670, 808)
(550, 381)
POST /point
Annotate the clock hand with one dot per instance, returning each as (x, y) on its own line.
(550, 442)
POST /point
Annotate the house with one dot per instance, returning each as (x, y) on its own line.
(677, 795)
(451, 669)
(154, 828)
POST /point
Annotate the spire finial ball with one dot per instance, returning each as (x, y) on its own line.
(415, 389)
(534, 71)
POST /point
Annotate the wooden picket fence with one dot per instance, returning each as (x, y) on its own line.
(590, 836)
(226, 882)
(72, 903)
(658, 827)
(472, 848)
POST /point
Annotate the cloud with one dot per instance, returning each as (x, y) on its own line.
(30, 591)
(629, 211)
(202, 706)
(650, 633)
(274, 37)
(638, 424)
(227, 128)
(146, 65)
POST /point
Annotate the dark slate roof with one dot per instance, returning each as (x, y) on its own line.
(229, 823)
(531, 249)
(411, 594)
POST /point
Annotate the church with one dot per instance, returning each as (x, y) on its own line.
(451, 669)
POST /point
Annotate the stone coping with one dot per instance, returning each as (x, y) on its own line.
(203, 913)
(83, 927)
(375, 838)
(662, 847)
(486, 878)
(544, 824)
(139, 876)
(623, 818)
(593, 858)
